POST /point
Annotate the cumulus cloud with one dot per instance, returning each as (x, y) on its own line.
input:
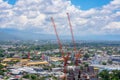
(113, 25)
(35, 15)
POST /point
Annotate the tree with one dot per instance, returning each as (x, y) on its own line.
(103, 63)
(104, 75)
(1, 55)
(110, 61)
(85, 64)
(116, 74)
(1, 69)
(1, 72)
(109, 75)
(1, 66)
(86, 55)
(27, 76)
(33, 77)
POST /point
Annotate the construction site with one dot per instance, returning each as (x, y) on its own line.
(75, 71)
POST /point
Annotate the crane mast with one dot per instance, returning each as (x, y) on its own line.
(71, 32)
(77, 53)
(28, 55)
(58, 39)
(65, 58)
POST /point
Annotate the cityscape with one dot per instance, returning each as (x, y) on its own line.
(59, 40)
(42, 60)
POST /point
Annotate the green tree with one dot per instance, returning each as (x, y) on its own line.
(104, 75)
(86, 55)
(1, 69)
(33, 77)
(103, 63)
(1, 55)
(110, 75)
(27, 76)
(1, 52)
(116, 74)
(1, 66)
(110, 61)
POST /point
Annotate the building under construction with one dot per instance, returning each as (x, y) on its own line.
(74, 72)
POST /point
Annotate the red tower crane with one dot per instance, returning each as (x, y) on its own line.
(77, 53)
(43, 56)
(71, 32)
(66, 58)
(28, 55)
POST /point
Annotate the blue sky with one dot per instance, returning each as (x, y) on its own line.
(87, 4)
(12, 2)
(94, 17)
(84, 4)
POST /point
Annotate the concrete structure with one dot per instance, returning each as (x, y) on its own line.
(115, 58)
(10, 59)
(56, 59)
(36, 63)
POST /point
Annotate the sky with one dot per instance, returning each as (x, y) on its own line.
(87, 4)
(88, 17)
(12, 2)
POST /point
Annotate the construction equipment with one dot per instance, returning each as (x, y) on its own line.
(65, 57)
(28, 55)
(71, 32)
(77, 53)
(43, 56)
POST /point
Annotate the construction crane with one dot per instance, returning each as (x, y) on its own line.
(71, 32)
(28, 55)
(43, 56)
(77, 53)
(65, 57)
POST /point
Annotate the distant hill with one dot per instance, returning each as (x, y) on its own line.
(14, 34)
(6, 36)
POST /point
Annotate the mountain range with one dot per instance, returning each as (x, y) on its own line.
(14, 34)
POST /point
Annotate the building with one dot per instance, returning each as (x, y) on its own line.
(115, 58)
(36, 63)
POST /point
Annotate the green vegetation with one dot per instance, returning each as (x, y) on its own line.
(109, 75)
(104, 63)
(2, 70)
(31, 77)
(13, 62)
(86, 56)
(36, 77)
(110, 62)
(1, 53)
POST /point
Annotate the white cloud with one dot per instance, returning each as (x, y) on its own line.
(114, 2)
(35, 15)
(38, 20)
(88, 13)
(113, 25)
